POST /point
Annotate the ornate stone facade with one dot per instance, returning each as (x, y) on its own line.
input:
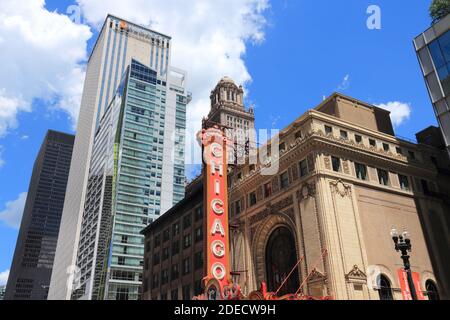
(338, 207)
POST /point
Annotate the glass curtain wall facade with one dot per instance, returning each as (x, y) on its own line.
(433, 51)
(125, 185)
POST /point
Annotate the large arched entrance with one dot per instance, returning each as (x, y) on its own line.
(281, 257)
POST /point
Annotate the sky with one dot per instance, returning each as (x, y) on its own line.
(288, 54)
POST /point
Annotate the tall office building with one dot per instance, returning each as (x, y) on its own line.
(118, 43)
(433, 51)
(135, 167)
(2, 292)
(31, 269)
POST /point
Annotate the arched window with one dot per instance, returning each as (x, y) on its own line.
(432, 291)
(281, 257)
(384, 288)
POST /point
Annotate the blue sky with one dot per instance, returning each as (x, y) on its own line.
(310, 49)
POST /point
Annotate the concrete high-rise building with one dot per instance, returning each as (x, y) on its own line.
(137, 168)
(433, 51)
(31, 269)
(118, 43)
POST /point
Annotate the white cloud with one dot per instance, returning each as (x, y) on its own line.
(43, 59)
(4, 277)
(400, 111)
(2, 161)
(345, 84)
(12, 214)
(209, 38)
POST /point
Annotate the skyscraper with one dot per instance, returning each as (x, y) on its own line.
(135, 167)
(433, 51)
(31, 269)
(118, 43)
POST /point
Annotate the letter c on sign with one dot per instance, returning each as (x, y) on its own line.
(217, 206)
(218, 248)
(218, 271)
(216, 150)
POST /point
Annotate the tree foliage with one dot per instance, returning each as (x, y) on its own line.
(439, 9)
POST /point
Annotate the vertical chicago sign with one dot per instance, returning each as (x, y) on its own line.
(218, 284)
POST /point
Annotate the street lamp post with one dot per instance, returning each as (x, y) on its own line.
(403, 244)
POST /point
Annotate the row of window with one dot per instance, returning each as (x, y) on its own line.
(164, 277)
(372, 142)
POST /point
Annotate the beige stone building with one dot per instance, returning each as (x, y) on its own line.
(344, 180)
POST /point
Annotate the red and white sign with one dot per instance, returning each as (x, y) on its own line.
(404, 286)
(216, 206)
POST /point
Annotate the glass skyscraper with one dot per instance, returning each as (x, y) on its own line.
(118, 43)
(433, 51)
(126, 183)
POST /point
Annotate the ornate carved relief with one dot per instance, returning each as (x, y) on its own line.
(356, 275)
(306, 191)
(327, 161)
(341, 188)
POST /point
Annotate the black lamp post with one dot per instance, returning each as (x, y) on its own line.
(403, 244)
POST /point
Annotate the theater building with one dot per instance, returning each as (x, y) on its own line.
(344, 181)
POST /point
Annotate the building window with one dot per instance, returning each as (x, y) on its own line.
(155, 281)
(186, 222)
(187, 241)
(156, 258)
(383, 177)
(198, 214)
(344, 134)
(398, 150)
(238, 207)
(361, 171)
(282, 146)
(198, 260)
(284, 180)
(199, 234)
(165, 254)
(157, 241)
(412, 155)
(328, 130)
(384, 289)
(298, 134)
(175, 247)
(187, 292)
(175, 273)
(252, 198)
(303, 168)
(186, 266)
(386, 147)
(176, 229)
(404, 182)
(358, 138)
(267, 190)
(336, 162)
(432, 291)
(174, 294)
(164, 276)
(166, 235)
(372, 142)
